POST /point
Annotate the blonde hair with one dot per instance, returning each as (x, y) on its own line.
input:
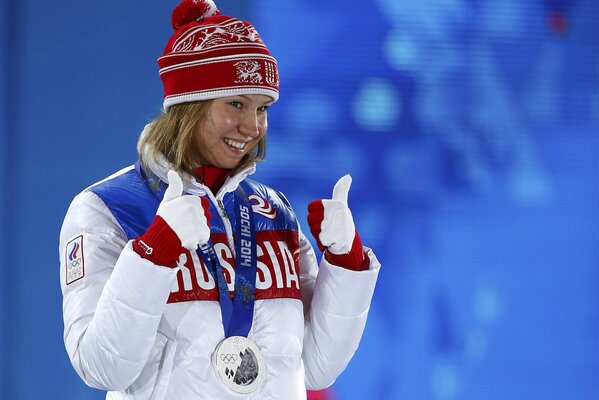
(172, 135)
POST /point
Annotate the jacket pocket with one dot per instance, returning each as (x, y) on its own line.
(165, 367)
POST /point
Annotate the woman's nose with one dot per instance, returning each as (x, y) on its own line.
(249, 124)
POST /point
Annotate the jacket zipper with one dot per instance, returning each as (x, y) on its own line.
(224, 215)
(222, 208)
(227, 223)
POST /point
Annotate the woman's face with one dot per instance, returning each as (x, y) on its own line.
(231, 128)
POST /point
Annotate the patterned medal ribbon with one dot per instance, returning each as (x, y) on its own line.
(238, 314)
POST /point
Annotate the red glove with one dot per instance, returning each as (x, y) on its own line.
(332, 225)
(181, 221)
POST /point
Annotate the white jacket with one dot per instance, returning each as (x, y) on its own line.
(122, 336)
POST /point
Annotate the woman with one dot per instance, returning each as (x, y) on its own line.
(184, 279)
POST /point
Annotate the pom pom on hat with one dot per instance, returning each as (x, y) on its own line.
(193, 10)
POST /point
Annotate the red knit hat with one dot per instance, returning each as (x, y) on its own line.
(211, 55)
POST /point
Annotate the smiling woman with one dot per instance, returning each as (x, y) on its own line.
(185, 279)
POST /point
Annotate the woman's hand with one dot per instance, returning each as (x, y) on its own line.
(332, 225)
(181, 221)
(187, 215)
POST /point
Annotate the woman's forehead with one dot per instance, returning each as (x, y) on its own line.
(255, 98)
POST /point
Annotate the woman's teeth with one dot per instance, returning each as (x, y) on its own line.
(233, 143)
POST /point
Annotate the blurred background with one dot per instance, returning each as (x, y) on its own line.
(471, 129)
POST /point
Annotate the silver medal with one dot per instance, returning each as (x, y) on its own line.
(239, 364)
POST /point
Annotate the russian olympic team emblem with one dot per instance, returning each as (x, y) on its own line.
(73, 254)
(262, 207)
(74, 260)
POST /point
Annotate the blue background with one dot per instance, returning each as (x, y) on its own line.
(471, 128)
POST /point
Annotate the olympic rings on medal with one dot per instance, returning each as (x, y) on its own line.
(228, 358)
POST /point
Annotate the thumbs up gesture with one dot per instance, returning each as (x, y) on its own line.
(332, 225)
(187, 215)
(181, 221)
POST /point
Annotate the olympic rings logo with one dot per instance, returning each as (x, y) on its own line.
(75, 263)
(228, 358)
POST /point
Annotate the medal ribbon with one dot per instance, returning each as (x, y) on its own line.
(238, 314)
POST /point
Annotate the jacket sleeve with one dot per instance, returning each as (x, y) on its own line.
(111, 314)
(336, 303)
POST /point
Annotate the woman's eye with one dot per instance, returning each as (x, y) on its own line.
(263, 108)
(235, 104)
